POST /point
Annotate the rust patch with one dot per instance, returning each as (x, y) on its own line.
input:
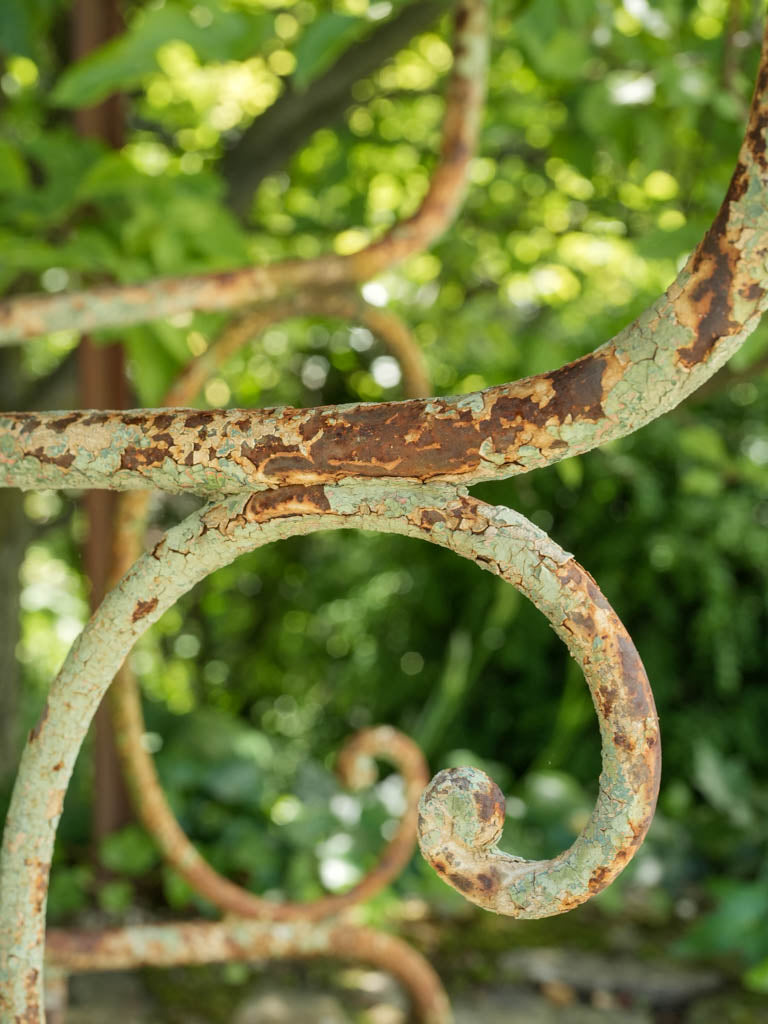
(38, 882)
(594, 592)
(29, 422)
(457, 780)
(757, 128)
(583, 621)
(285, 501)
(143, 608)
(430, 516)
(141, 458)
(200, 418)
(578, 390)
(709, 305)
(634, 676)
(31, 1014)
(605, 698)
(64, 460)
(268, 446)
(753, 291)
(35, 730)
(488, 882)
(97, 419)
(287, 467)
(490, 804)
(465, 884)
(621, 739)
(599, 878)
(739, 183)
(63, 422)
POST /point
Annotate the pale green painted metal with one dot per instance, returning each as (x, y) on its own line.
(205, 942)
(495, 538)
(360, 480)
(650, 367)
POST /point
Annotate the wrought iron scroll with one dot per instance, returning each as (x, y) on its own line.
(395, 467)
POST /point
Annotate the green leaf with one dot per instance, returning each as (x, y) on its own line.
(23, 253)
(124, 62)
(321, 43)
(115, 897)
(68, 892)
(571, 472)
(13, 171)
(16, 27)
(723, 782)
(756, 978)
(702, 441)
(177, 890)
(153, 367)
(701, 481)
(129, 851)
(737, 925)
(111, 175)
(557, 54)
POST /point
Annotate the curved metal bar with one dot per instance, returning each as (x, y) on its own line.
(345, 304)
(148, 798)
(497, 539)
(462, 810)
(205, 942)
(707, 313)
(157, 817)
(28, 316)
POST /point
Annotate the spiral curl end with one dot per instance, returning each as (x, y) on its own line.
(461, 806)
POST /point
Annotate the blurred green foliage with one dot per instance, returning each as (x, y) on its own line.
(610, 134)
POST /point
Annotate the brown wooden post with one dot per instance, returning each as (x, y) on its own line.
(103, 385)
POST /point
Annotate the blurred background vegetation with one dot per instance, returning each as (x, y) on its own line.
(610, 134)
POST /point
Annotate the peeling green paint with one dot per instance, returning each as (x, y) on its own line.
(209, 538)
(205, 942)
(390, 468)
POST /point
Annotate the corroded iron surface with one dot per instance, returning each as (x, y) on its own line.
(390, 467)
(706, 314)
(205, 942)
(498, 540)
(148, 798)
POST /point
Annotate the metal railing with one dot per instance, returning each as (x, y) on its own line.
(391, 467)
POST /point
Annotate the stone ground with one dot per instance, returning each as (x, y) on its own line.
(530, 986)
